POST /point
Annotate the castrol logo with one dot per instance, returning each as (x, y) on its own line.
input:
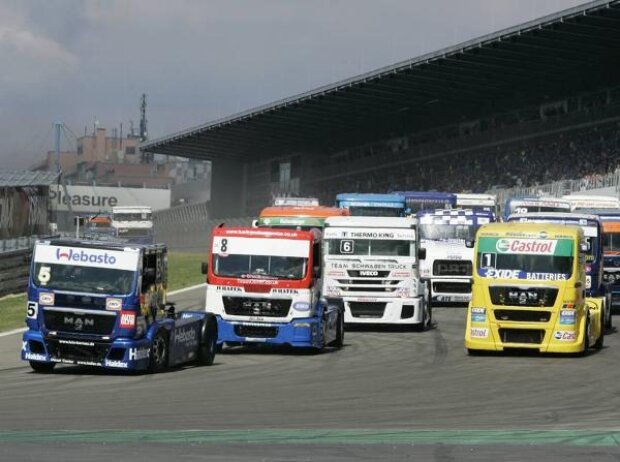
(528, 246)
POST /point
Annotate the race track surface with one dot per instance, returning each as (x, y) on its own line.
(389, 394)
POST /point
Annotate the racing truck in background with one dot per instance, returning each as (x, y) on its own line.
(592, 231)
(264, 286)
(478, 202)
(427, 200)
(529, 291)
(528, 204)
(372, 205)
(133, 224)
(304, 218)
(104, 304)
(447, 237)
(586, 203)
(371, 268)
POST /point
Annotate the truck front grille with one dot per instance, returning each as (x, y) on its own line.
(522, 315)
(77, 350)
(452, 287)
(452, 268)
(367, 309)
(256, 331)
(240, 306)
(79, 322)
(523, 296)
(534, 336)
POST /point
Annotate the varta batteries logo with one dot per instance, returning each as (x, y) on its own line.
(84, 257)
(529, 246)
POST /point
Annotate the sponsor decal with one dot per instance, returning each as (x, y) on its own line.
(83, 256)
(479, 332)
(518, 274)
(228, 289)
(35, 357)
(113, 304)
(369, 273)
(185, 336)
(114, 363)
(46, 298)
(371, 235)
(370, 266)
(76, 342)
(478, 315)
(567, 317)
(588, 281)
(128, 320)
(285, 291)
(565, 335)
(527, 246)
(136, 354)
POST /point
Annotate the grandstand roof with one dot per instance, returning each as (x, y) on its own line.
(551, 57)
(22, 178)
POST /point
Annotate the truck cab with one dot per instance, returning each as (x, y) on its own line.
(447, 236)
(264, 286)
(592, 230)
(371, 268)
(528, 204)
(584, 202)
(372, 205)
(478, 202)
(133, 224)
(529, 291)
(416, 201)
(103, 304)
(303, 218)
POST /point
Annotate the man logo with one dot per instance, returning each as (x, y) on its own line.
(78, 323)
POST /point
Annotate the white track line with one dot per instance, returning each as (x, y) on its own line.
(174, 292)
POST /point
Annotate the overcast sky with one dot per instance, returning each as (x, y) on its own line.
(78, 61)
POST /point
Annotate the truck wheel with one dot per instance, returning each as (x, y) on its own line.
(601, 338)
(339, 341)
(42, 368)
(208, 346)
(608, 316)
(586, 339)
(426, 317)
(158, 359)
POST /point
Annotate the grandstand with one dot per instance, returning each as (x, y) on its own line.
(521, 107)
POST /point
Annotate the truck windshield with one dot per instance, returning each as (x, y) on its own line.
(611, 241)
(370, 247)
(259, 266)
(525, 258)
(83, 279)
(375, 211)
(134, 216)
(444, 232)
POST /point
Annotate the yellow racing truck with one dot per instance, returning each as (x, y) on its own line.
(528, 291)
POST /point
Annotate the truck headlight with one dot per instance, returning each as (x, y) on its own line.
(301, 306)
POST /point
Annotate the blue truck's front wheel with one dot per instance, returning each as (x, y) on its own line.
(158, 359)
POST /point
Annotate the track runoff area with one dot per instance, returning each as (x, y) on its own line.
(389, 394)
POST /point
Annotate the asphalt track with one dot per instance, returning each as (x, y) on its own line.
(389, 394)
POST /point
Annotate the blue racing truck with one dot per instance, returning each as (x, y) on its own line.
(372, 205)
(593, 232)
(531, 204)
(427, 200)
(103, 304)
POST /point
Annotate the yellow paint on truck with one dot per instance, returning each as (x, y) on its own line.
(528, 290)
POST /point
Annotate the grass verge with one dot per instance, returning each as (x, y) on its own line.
(183, 271)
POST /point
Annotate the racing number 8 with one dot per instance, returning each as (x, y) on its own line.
(224, 245)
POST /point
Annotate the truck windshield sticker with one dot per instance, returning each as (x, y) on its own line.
(232, 245)
(369, 247)
(84, 279)
(525, 258)
(88, 257)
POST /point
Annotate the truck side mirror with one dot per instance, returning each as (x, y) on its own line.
(421, 253)
(316, 272)
(254, 223)
(469, 243)
(204, 267)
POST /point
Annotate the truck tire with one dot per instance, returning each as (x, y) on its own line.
(158, 359)
(339, 341)
(426, 317)
(598, 345)
(608, 314)
(208, 345)
(42, 368)
(586, 339)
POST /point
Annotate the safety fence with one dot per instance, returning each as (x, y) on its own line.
(14, 271)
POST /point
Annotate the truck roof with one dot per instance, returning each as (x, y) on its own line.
(554, 215)
(364, 197)
(371, 222)
(91, 243)
(318, 211)
(266, 233)
(455, 213)
(528, 230)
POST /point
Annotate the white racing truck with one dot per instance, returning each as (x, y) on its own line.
(448, 236)
(371, 267)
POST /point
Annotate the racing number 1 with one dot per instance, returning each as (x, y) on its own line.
(488, 259)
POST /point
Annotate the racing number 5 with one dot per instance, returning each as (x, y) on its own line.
(44, 275)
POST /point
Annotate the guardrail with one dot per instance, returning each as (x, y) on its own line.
(14, 270)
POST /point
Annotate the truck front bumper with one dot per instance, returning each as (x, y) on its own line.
(450, 290)
(119, 354)
(302, 332)
(365, 310)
